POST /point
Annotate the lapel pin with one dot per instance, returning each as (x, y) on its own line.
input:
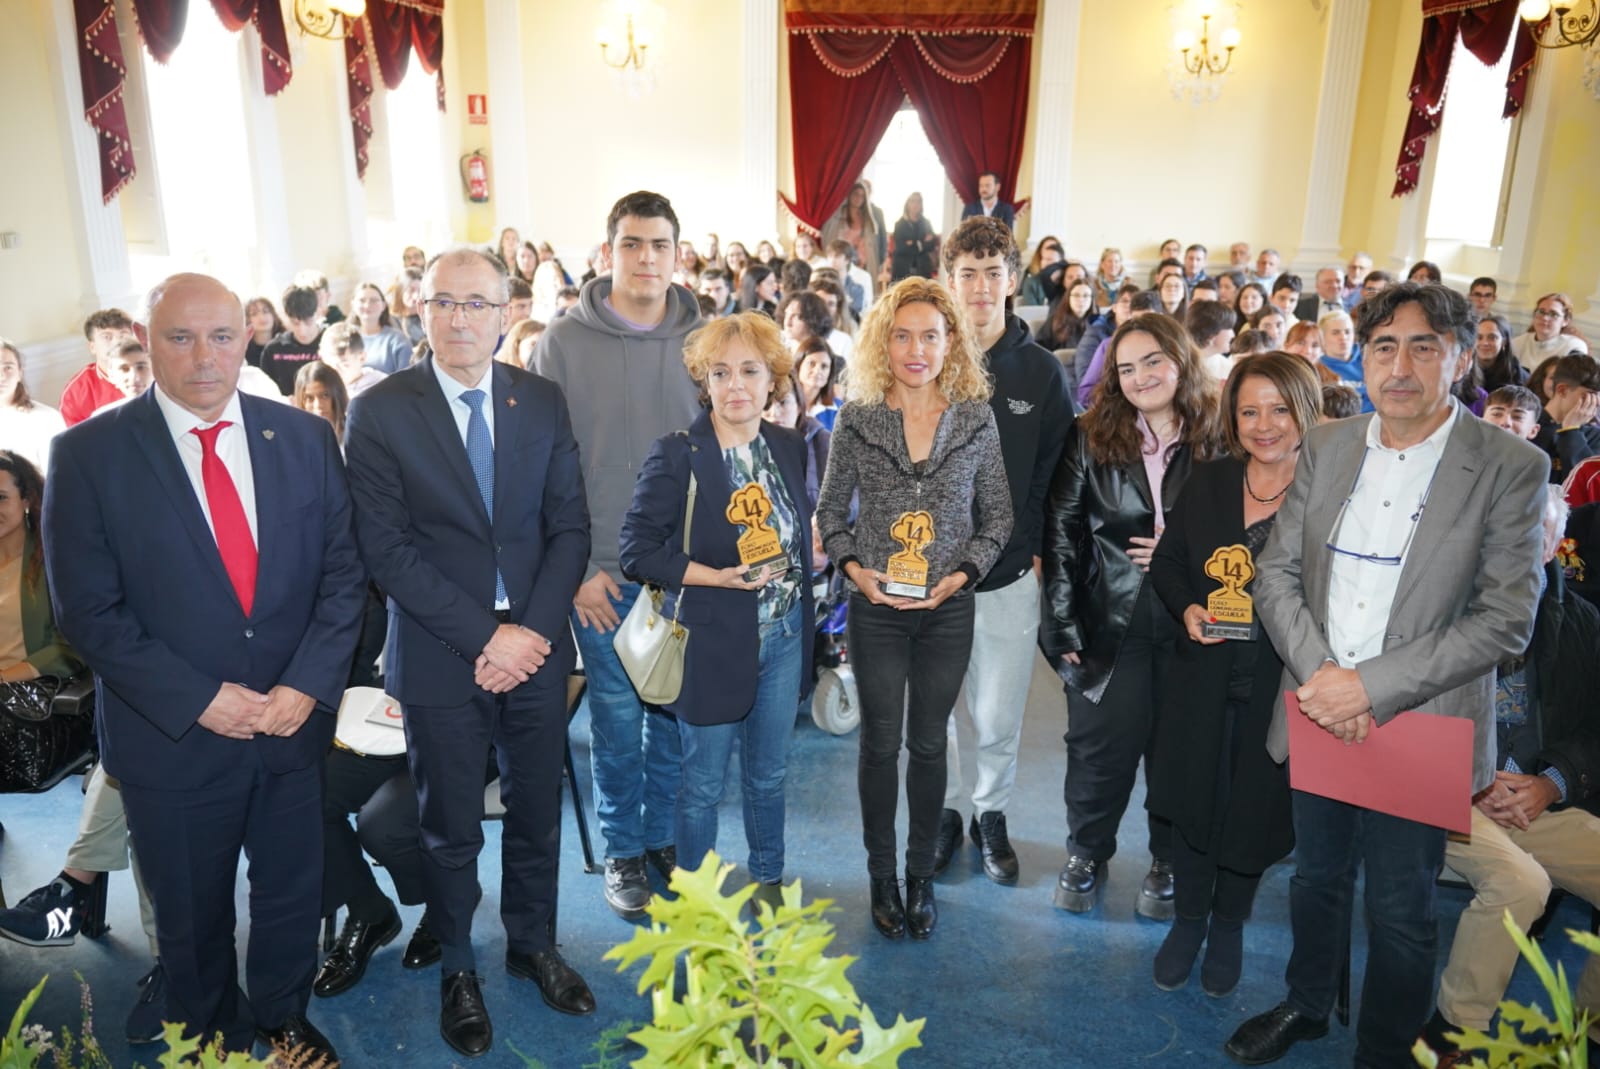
(511, 402)
(268, 435)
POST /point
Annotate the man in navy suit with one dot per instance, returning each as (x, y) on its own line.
(989, 202)
(201, 558)
(470, 512)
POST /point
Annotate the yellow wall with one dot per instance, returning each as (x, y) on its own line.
(42, 283)
(1566, 236)
(1370, 215)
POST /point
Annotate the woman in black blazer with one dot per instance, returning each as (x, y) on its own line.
(1154, 414)
(1226, 798)
(750, 629)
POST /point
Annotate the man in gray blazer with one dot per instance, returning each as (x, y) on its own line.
(1403, 568)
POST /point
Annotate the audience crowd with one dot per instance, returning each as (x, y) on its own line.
(1215, 497)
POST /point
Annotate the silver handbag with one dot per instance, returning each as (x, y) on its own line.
(651, 647)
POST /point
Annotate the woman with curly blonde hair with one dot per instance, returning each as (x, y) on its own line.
(916, 441)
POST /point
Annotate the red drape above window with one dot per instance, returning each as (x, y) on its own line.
(964, 65)
(161, 24)
(101, 73)
(1485, 27)
(380, 46)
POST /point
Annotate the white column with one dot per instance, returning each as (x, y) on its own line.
(508, 120)
(1527, 187)
(102, 247)
(1336, 120)
(757, 214)
(274, 251)
(1055, 56)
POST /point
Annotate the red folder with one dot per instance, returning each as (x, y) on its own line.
(1418, 766)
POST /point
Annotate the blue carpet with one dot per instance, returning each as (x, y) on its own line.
(1006, 980)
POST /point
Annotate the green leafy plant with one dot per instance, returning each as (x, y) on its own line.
(1525, 1037)
(766, 994)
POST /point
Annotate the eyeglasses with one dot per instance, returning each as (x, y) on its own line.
(1549, 313)
(444, 307)
(1377, 558)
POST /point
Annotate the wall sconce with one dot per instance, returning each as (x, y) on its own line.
(1555, 25)
(633, 57)
(1204, 61)
(328, 19)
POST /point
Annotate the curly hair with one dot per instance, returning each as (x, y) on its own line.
(1112, 426)
(758, 333)
(813, 311)
(30, 487)
(965, 375)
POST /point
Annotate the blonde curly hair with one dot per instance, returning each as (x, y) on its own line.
(965, 375)
(705, 346)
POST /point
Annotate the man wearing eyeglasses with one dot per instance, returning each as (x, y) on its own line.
(470, 514)
(1403, 568)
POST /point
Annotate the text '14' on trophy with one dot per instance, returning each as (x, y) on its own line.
(1231, 610)
(908, 569)
(759, 546)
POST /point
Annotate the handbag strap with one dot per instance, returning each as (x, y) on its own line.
(688, 523)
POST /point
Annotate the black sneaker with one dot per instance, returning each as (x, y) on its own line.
(663, 860)
(988, 831)
(627, 887)
(144, 1020)
(1156, 893)
(48, 917)
(1078, 884)
(944, 847)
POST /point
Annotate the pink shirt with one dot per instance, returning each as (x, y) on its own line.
(1155, 455)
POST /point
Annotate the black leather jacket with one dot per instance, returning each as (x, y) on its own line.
(1090, 584)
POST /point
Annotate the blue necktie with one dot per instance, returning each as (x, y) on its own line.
(480, 454)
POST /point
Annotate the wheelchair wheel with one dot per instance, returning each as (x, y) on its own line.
(834, 707)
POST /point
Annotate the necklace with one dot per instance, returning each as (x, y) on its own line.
(1265, 500)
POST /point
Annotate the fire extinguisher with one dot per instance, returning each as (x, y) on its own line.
(475, 176)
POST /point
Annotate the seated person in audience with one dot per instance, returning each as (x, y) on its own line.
(1581, 545)
(825, 283)
(1468, 389)
(1174, 294)
(805, 315)
(1194, 265)
(262, 319)
(1210, 324)
(92, 389)
(385, 348)
(1204, 290)
(566, 299)
(1482, 294)
(405, 309)
(130, 371)
(319, 390)
(519, 305)
(793, 276)
(1271, 322)
(1239, 256)
(1550, 335)
(1170, 265)
(1101, 326)
(1424, 271)
(1567, 429)
(1251, 298)
(343, 349)
(414, 258)
(1248, 341)
(1515, 409)
(1304, 341)
(1325, 299)
(516, 347)
(1341, 353)
(857, 283)
(1046, 254)
(285, 354)
(1285, 297)
(1229, 283)
(715, 283)
(1535, 826)
(1339, 401)
(805, 248)
(1539, 378)
(1354, 275)
(818, 370)
(1375, 283)
(327, 312)
(30, 645)
(1139, 304)
(1498, 364)
(1069, 318)
(26, 426)
(1266, 269)
(708, 308)
(786, 411)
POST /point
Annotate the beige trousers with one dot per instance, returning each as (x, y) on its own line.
(102, 844)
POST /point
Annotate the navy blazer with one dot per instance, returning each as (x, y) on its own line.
(722, 661)
(431, 547)
(141, 592)
(1003, 211)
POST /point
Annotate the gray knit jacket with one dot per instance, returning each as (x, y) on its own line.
(962, 486)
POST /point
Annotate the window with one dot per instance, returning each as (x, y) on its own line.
(905, 163)
(1472, 168)
(416, 161)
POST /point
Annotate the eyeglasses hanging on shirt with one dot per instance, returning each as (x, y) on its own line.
(1371, 557)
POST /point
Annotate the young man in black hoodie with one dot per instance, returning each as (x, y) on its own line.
(1033, 413)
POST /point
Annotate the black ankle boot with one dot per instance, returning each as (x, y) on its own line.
(921, 912)
(1219, 972)
(888, 912)
(1175, 959)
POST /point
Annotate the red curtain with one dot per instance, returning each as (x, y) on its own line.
(379, 45)
(161, 24)
(964, 64)
(358, 77)
(1485, 28)
(100, 73)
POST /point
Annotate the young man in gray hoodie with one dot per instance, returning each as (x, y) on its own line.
(618, 357)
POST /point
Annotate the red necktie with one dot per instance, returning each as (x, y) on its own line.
(232, 528)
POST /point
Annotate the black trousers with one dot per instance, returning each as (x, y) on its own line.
(1107, 739)
(188, 843)
(925, 652)
(378, 791)
(447, 749)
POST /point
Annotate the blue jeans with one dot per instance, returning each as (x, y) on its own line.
(1402, 860)
(635, 753)
(763, 759)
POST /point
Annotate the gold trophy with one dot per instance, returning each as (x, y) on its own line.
(908, 569)
(1232, 611)
(759, 547)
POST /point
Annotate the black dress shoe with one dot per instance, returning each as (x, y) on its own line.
(346, 963)
(921, 912)
(563, 989)
(1268, 1036)
(989, 833)
(944, 847)
(423, 949)
(663, 860)
(463, 1020)
(888, 912)
(300, 1037)
(627, 887)
(1155, 894)
(1078, 884)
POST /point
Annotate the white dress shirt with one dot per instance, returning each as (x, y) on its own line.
(462, 413)
(232, 448)
(1384, 509)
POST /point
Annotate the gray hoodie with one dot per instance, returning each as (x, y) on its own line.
(625, 388)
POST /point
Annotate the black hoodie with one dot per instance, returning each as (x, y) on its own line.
(1033, 414)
